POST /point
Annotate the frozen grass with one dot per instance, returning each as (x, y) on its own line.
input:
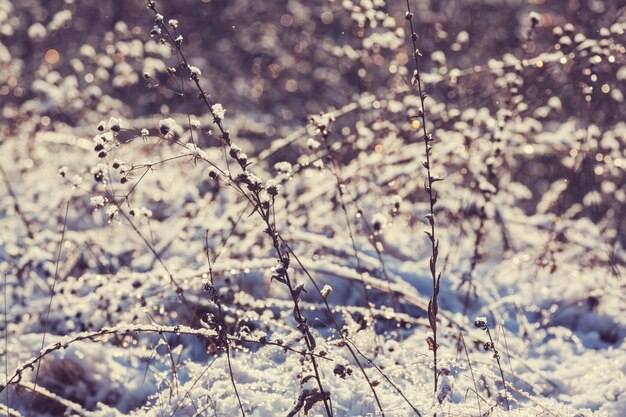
(228, 218)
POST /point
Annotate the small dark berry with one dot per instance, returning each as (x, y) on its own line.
(480, 322)
(124, 180)
(98, 147)
(272, 190)
(102, 154)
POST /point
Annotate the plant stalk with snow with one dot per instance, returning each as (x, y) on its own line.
(433, 305)
(481, 323)
(263, 202)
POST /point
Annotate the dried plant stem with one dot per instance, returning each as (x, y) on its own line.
(230, 372)
(54, 283)
(263, 210)
(433, 305)
(471, 368)
(508, 354)
(349, 344)
(16, 204)
(6, 339)
(94, 335)
(389, 381)
(283, 257)
(481, 323)
(203, 96)
(496, 355)
(179, 290)
(468, 279)
(124, 329)
(193, 385)
(342, 193)
(223, 339)
(173, 364)
(324, 130)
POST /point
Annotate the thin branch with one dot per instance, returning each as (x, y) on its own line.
(433, 306)
(16, 204)
(54, 283)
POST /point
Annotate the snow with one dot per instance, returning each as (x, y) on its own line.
(166, 125)
(218, 110)
(158, 281)
(194, 71)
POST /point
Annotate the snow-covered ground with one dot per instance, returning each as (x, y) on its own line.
(139, 276)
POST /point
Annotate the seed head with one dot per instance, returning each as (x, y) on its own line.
(115, 124)
(534, 18)
(166, 125)
(480, 322)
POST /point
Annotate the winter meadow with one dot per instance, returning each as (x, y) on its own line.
(313, 208)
